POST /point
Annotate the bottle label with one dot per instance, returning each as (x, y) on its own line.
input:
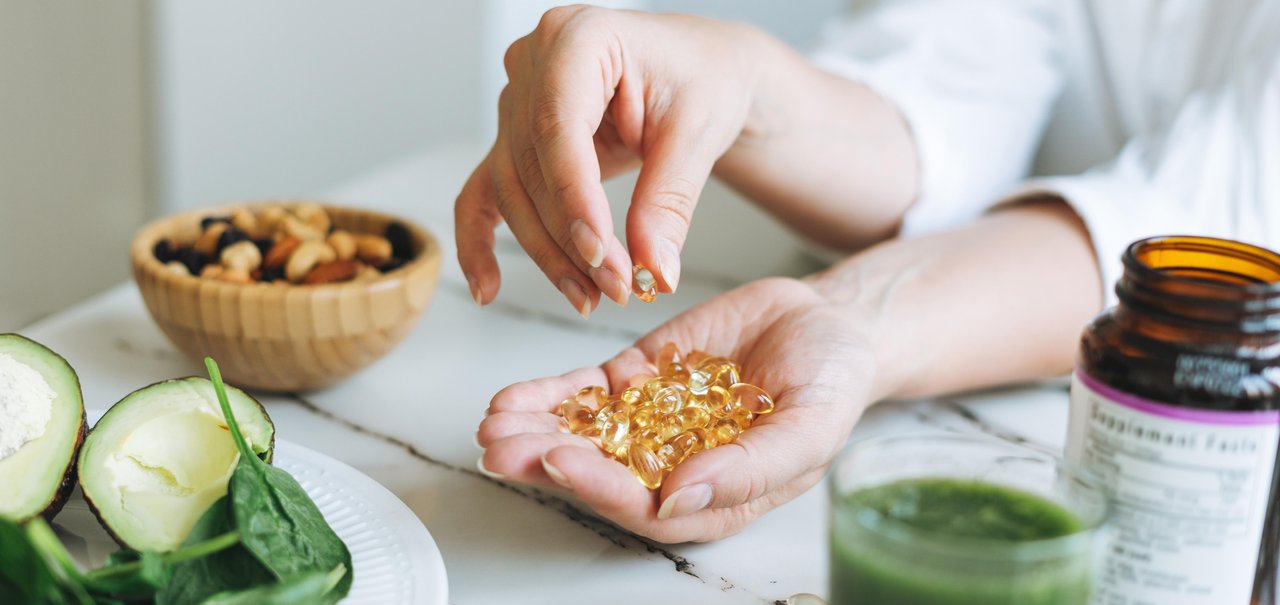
(1189, 494)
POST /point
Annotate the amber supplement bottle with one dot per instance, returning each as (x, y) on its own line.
(1176, 404)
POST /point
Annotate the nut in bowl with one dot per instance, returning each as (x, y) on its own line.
(288, 296)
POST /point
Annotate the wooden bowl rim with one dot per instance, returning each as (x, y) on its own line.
(143, 256)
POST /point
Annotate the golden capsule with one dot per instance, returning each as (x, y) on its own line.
(632, 395)
(698, 382)
(677, 371)
(725, 431)
(693, 416)
(649, 438)
(646, 466)
(726, 375)
(678, 448)
(751, 397)
(667, 355)
(614, 431)
(742, 417)
(705, 436)
(719, 402)
(695, 357)
(593, 397)
(645, 285)
(668, 426)
(642, 418)
(580, 419)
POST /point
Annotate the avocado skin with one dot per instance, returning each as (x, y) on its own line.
(93, 507)
(69, 478)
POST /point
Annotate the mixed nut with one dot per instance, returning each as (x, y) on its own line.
(286, 244)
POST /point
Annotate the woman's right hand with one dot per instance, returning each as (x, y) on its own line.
(594, 92)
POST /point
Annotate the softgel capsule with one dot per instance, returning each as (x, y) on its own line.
(693, 403)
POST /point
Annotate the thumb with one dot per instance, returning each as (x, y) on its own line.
(671, 179)
(766, 458)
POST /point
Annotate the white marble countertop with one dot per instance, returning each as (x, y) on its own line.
(409, 420)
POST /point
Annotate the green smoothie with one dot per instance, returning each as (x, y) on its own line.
(940, 541)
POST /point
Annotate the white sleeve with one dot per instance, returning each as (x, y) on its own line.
(975, 81)
(1214, 171)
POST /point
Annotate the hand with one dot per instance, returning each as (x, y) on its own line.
(592, 93)
(788, 339)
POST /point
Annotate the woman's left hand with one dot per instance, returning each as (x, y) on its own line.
(788, 339)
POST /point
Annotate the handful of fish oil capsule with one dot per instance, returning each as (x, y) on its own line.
(693, 403)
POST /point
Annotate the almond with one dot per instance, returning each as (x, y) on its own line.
(332, 272)
(280, 252)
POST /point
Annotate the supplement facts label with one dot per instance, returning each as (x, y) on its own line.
(1189, 489)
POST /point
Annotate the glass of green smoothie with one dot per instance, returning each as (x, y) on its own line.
(949, 519)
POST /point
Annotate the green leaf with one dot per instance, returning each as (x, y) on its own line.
(311, 587)
(57, 561)
(228, 569)
(24, 577)
(278, 521)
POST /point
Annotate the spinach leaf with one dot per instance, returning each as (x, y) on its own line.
(278, 521)
(304, 589)
(24, 577)
(229, 569)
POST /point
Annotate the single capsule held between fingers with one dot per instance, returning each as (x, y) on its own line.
(646, 466)
(752, 397)
(646, 287)
(580, 418)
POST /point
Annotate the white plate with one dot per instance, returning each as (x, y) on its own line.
(394, 558)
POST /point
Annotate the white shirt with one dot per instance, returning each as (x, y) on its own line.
(1150, 117)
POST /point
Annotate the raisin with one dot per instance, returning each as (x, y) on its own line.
(401, 242)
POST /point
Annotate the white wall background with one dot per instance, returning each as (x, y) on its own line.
(112, 111)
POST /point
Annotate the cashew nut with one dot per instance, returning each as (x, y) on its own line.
(343, 244)
(242, 255)
(245, 221)
(293, 226)
(313, 215)
(307, 256)
(373, 249)
(207, 243)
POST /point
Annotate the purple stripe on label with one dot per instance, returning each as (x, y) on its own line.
(1178, 412)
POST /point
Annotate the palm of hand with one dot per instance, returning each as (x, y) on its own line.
(809, 356)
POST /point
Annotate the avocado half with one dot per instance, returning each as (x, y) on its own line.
(157, 459)
(39, 475)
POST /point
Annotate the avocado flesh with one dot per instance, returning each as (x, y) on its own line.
(157, 459)
(39, 475)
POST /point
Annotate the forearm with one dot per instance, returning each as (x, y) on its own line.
(1001, 300)
(824, 154)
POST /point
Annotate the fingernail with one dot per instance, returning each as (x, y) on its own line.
(577, 296)
(555, 474)
(612, 285)
(686, 501)
(587, 242)
(669, 263)
(475, 291)
(486, 472)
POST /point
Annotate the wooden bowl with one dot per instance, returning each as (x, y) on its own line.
(281, 337)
